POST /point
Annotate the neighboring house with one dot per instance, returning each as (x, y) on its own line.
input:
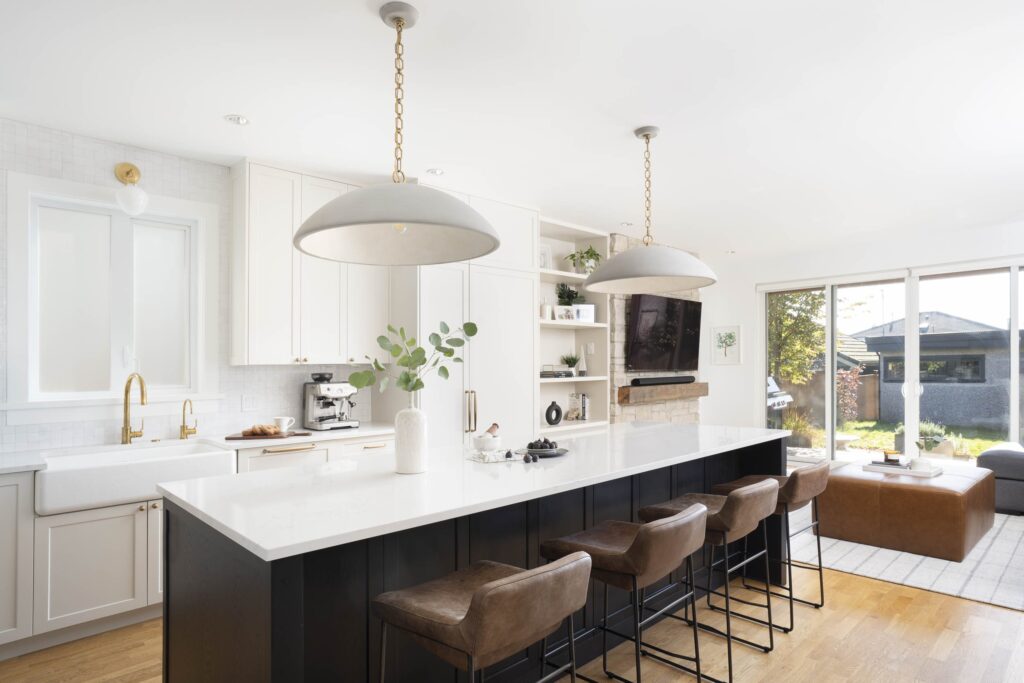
(964, 370)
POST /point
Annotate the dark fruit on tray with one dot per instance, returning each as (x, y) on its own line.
(508, 454)
(542, 445)
(527, 457)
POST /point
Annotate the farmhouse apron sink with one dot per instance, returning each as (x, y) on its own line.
(83, 478)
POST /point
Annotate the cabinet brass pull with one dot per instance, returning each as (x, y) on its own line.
(469, 414)
(374, 445)
(475, 409)
(142, 508)
(155, 506)
(290, 449)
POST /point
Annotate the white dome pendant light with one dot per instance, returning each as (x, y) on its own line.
(399, 224)
(652, 268)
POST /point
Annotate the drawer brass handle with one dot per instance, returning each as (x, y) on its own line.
(155, 506)
(289, 449)
(142, 508)
(373, 445)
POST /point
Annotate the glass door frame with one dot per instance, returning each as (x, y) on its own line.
(911, 278)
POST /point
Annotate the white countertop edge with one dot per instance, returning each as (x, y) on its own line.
(21, 461)
(282, 552)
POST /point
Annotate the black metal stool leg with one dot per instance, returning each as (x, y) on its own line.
(637, 628)
(572, 648)
(691, 580)
(768, 586)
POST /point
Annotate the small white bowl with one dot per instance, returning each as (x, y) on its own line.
(486, 442)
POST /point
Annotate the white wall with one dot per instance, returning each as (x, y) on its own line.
(737, 392)
(50, 153)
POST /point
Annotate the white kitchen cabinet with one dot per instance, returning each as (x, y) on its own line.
(289, 307)
(271, 282)
(255, 459)
(444, 296)
(517, 229)
(369, 293)
(323, 289)
(501, 356)
(155, 551)
(90, 564)
(16, 517)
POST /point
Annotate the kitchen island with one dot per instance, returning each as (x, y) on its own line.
(269, 575)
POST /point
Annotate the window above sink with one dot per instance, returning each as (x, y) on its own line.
(94, 295)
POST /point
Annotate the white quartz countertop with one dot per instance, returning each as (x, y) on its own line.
(363, 431)
(284, 512)
(21, 461)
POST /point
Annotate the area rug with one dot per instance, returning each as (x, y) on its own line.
(993, 572)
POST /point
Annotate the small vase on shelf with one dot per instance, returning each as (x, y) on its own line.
(581, 367)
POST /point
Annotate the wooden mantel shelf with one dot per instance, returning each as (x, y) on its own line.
(630, 395)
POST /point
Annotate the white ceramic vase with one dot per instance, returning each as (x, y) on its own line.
(411, 441)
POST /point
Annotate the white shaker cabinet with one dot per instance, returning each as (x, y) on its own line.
(517, 229)
(501, 355)
(90, 564)
(444, 296)
(323, 289)
(289, 307)
(270, 284)
(16, 523)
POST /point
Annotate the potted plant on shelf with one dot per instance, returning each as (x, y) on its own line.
(409, 365)
(571, 306)
(571, 360)
(585, 261)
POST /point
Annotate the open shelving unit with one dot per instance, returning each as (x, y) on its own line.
(558, 337)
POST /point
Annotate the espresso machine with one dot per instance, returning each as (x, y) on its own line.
(328, 405)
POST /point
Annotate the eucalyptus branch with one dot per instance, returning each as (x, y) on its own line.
(409, 362)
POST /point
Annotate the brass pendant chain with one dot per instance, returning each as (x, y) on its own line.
(398, 175)
(648, 240)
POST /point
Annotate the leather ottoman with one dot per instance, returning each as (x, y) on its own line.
(944, 516)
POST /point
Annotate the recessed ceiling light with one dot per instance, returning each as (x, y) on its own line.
(435, 171)
(730, 251)
(237, 119)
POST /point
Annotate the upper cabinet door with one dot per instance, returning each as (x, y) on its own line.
(501, 356)
(517, 229)
(368, 310)
(272, 269)
(323, 316)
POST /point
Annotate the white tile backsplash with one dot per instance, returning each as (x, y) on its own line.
(274, 390)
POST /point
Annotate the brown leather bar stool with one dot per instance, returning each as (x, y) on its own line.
(797, 490)
(730, 518)
(631, 557)
(488, 611)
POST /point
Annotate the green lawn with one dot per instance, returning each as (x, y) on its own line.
(879, 435)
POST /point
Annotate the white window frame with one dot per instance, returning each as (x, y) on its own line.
(911, 279)
(25, 194)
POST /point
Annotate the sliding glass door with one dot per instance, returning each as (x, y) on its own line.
(795, 364)
(868, 401)
(964, 375)
(852, 378)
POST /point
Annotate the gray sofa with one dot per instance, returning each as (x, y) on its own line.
(1006, 461)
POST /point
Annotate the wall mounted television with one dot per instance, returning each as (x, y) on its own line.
(662, 334)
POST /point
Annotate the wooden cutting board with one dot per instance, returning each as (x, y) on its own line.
(259, 437)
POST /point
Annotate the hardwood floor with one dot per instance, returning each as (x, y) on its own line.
(868, 631)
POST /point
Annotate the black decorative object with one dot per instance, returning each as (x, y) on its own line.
(553, 415)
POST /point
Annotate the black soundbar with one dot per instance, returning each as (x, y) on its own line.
(652, 381)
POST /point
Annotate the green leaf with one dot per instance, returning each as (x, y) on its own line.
(470, 329)
(411, 342)
(384, 382)
(404, 379)
(444, 327)
(401, 333)
(417, 385)
(396, 350)
(434, 339)
(384, 343)
(456, 360)
(442, 372)
(392, 330)
(357, 379)
(454, 341)
(377, 365)
(404, 361)
(446, 351)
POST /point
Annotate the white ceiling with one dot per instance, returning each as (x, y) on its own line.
(783, 122)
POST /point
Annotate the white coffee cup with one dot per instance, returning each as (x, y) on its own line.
(284, 423)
